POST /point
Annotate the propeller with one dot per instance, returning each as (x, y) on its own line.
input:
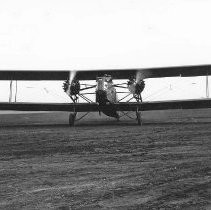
(139, 76)
(72, 76)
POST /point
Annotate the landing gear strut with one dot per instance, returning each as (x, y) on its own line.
(72, 117)
(139, 119)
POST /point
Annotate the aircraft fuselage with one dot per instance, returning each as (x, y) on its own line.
(106, 94)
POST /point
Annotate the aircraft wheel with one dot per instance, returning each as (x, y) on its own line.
(72, 119)
(138, 114)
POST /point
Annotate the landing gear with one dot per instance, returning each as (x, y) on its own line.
(139, 119)
(73, 89)
(72, 117)
(137, 111)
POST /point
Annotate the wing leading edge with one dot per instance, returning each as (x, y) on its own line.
(199, 70)
(93, 107)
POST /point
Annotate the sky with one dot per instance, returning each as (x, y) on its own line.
(103, 34)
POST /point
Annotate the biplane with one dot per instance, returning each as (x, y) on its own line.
(106, 97)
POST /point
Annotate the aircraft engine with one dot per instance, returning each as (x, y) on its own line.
(139, 87)
(136, 87)
(72, 89)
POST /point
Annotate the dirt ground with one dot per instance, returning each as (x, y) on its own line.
(103, 164)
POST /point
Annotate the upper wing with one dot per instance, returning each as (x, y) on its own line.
(199, 70)
(93, 107)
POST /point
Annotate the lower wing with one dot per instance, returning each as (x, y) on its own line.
(94, 107)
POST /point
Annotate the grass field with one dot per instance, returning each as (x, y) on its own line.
(104, 164)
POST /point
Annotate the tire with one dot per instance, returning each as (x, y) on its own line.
(72, 119)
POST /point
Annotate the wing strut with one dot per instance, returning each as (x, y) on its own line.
(11, 91)
(10, 96)
(207, 87)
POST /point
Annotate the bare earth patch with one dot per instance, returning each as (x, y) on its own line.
(165, 164)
